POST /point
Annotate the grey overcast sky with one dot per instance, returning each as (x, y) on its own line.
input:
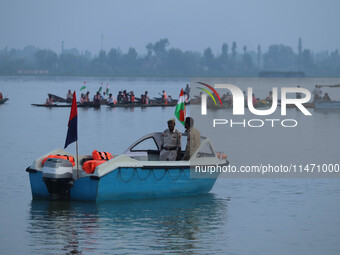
(188, 24)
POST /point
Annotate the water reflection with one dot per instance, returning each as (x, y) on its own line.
(187, 225)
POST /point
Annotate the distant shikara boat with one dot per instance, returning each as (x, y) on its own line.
(136, 104)
(136, 174)
(327, 105)
(59, 99)
(66, 105)
(2, 101)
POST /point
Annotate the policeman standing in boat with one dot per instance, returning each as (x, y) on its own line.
(171, 148)
(193, 138)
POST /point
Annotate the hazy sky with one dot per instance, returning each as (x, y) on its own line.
(188, 24)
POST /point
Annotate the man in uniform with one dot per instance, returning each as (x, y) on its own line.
(171, 148)
(193, 138)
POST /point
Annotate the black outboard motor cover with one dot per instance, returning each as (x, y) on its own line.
(58, 177)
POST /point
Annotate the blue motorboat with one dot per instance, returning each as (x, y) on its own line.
(327, 105)
(136, 174)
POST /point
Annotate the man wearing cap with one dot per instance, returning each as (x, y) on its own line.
(193, 138)
(171, 147)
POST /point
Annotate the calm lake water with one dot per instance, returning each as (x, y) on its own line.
(239, 216)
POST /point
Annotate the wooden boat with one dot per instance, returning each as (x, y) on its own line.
(136, 174)
(59, 99)
(132, 105)
(3, 100)
(327, 105)
(306, 105)
(81, 105)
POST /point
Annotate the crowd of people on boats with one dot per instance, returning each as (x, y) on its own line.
(319, 95)
(123, 97)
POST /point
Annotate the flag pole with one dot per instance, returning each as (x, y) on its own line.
(77, 159)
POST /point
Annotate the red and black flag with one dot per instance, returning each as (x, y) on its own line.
(72, 132)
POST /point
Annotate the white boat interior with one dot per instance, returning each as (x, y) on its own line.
(142, 153)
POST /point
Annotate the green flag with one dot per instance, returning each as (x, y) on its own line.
(180, 108)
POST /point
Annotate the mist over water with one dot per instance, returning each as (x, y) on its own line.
(240, 216)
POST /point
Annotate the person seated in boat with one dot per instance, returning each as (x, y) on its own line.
(120, 97)
(228, 99)
(111, 100)
(1, 96)
(193, 138)
(132, 97)
(164, 97)
(254, 100)
(97, 99)
(169, 99)
(298, 94)
(171, 145)
(87, 96)
(104, 97)
(326, 97)
(269, 98)
(125, 97)
(49, 100)
(69, 96)
(317, 92)
(82, 98)
(146, 98)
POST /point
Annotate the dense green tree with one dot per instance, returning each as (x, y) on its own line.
(209, 59)
(280, 58)
(46, 59)
(159, 47)
(159, 60)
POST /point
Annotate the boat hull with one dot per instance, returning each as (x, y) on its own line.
(3, 100)
(327, 105)
(79, 105)
(133, 105)
(128, 183)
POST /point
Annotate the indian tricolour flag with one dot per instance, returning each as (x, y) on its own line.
(83, 87)
(180, 108)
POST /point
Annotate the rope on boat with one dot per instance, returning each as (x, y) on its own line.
(165, 170)
(135, 172)
(186, 177)
(175, 179)
(143, 179)
(120, 174)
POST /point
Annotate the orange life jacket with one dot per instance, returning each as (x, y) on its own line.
(90, 165)
(67, 157)
(101, 155)
(221, 155)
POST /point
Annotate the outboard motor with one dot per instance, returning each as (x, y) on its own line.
(58, 177)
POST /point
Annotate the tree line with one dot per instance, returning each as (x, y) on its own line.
(162, 60)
